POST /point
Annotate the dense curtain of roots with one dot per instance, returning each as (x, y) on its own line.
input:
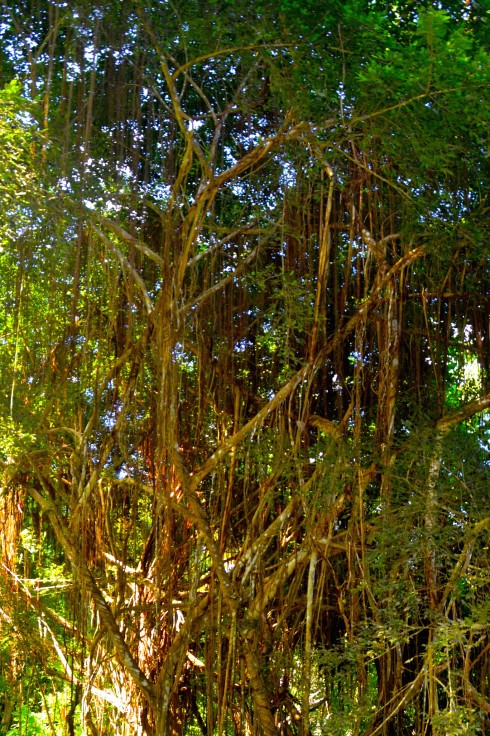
(243, 408)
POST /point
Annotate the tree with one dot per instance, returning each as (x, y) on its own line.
(245, 367)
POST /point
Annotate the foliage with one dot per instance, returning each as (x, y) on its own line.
(244, 368)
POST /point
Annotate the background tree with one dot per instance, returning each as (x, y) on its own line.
(245, 360)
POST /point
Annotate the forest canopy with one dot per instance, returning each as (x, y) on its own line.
(244, 368)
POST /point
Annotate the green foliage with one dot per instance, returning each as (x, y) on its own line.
(52, 719)
(19, 182)
(244, 277)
